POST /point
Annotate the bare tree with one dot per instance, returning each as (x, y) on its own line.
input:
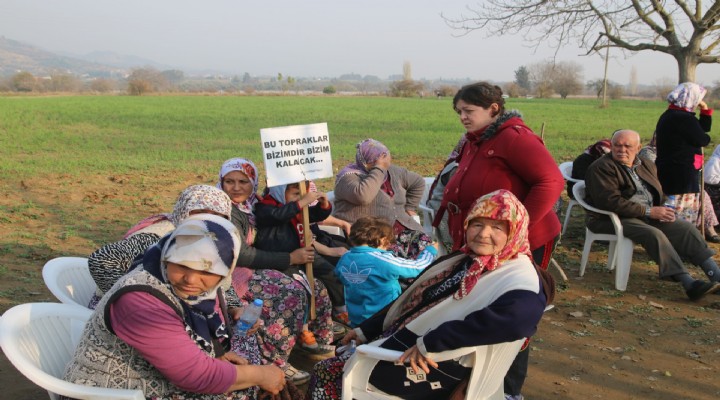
(567, 78)
(542, 75)
(687, 30)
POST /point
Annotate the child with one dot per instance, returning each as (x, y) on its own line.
(370, 272)
(280, 228)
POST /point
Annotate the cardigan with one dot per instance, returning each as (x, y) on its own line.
(514, 159)
(358, 195)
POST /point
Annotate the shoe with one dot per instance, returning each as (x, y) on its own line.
(514, 397)
(699, 289)
(342, 317)
(312, 349)
(338, 329)
(713, 238)
(296, 376)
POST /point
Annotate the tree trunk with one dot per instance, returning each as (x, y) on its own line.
(687, 65)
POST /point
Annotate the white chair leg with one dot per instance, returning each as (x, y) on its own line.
(585, 253)
(612, 255)
(568, 212)
(623, 261)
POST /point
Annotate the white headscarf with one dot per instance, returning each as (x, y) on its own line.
(687, 96)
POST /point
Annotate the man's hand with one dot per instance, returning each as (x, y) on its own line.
(662, 214)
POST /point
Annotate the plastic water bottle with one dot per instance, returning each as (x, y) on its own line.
(248, 318)
(671, 201)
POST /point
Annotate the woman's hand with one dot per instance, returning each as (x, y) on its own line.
(351, 335)
(383, 162)
(411, 213)
(702, 105)
(236, 312)
(416, 359)
(273, 379)
(233, 358)
(302, 256)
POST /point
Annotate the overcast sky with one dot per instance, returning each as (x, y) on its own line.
(310, 38)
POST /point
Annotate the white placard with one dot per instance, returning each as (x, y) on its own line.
(296, 153)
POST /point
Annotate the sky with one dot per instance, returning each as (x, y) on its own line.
(310, 38)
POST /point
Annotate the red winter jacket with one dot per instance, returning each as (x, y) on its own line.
(511, 158)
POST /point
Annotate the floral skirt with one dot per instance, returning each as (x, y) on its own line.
(409, 243)
(285, 311)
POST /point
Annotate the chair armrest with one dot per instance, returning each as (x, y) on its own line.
(378, 352)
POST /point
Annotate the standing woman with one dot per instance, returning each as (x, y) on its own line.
(680, 138)
(501, 152)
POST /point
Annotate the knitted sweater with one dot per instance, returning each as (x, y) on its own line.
(358, 195)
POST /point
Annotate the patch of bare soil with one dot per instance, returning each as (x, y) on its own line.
(648, 342)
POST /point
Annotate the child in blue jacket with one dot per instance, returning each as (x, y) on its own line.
(371, 273)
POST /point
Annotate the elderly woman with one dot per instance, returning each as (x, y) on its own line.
(488, 292)
(680, 139)
(285, 298)
(372, 185)
(111, 261)
(158, 329)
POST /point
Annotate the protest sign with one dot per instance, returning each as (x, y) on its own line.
(296, 153)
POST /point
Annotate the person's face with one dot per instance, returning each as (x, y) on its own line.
(485, 236)
(292, 193)
(237, 185)
(625, 147)
(475, 117)
(189, 282)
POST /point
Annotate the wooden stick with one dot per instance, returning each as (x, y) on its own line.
(701, 217)
(308, 243)
(542, 132)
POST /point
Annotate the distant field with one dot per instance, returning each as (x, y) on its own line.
(77, 135)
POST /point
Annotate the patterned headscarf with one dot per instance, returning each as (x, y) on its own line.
(368, 152)
(599, 149)
(200, 197)
(248, 168)
(498, 205)
(203, 242)
(687, 96)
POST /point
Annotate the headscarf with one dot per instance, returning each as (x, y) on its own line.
(599, 149)
(277, 193)
(368, 152)
(203, 242)
(498, 205)
(248, 168)
(200, 197)
(687, 96)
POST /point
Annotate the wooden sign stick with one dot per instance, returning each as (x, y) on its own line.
(308, 243)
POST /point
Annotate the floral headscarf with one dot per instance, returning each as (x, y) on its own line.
(499, 205)
(687, 96)
(202, 242)
(200, 197)
(368, 152)
(248, 168)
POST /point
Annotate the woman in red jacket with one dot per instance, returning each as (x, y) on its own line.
(501, 152)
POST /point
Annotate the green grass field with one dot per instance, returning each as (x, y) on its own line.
(76, 135)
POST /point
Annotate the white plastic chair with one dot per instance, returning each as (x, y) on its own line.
(620, 249)
(566, 171)
(39, 339)
(68, 279)
(486, 380)
(428, 214)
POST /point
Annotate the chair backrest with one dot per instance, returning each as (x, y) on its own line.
(566, 171)
(39, 339)
(68, 279)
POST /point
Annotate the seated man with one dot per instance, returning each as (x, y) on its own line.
(628, 185)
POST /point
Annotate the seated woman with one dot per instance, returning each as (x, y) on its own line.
(285, 299)
(488, 292)
(583, 161)
(373, 186)
(111, 261)
(157, 328)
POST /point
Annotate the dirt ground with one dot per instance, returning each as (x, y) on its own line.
(648, 342)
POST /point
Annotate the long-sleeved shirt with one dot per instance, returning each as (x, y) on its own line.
(370, 277)
(151, 327)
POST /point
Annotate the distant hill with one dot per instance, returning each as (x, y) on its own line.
(17, 56)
